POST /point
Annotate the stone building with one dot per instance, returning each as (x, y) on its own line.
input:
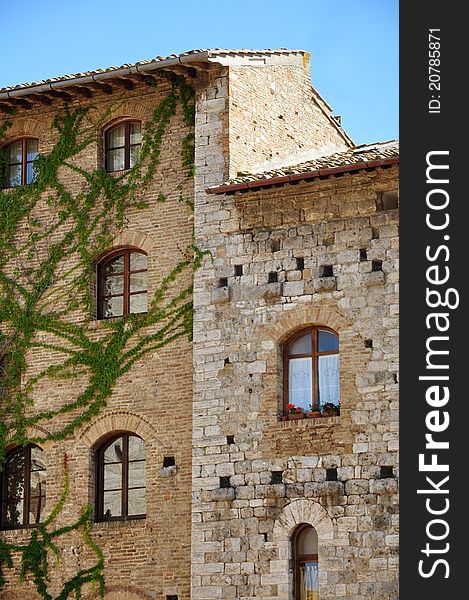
(295, 305)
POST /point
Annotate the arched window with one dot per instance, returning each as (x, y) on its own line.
(122, 283)
(305, 556)
(18, 162)
(23, 488)
(121, 479)
(122, 145)
(311, 370)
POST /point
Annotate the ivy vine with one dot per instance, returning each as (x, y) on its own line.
(50, 236)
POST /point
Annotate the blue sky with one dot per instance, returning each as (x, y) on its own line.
(353, 45)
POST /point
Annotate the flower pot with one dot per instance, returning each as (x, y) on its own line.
(295, 416)
(331, 413)
(313, 414)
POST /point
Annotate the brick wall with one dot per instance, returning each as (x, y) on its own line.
(149, 557)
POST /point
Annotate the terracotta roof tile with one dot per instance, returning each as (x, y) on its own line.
(353, 156)
(214, 52)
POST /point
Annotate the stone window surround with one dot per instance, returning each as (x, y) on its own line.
(314, 353)
(273, 336)
(294, 514)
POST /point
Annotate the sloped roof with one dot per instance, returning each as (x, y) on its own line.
(356, 158)
(159, 61)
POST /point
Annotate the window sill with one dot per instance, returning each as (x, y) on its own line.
(18, 529)
(119, 524)
(95, 323)
(316, 421)
(11, 189)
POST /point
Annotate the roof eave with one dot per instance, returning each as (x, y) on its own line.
(306, 176)
(96, 77)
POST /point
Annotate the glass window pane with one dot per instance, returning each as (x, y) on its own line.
(15, 152)
(114, 452)
(327, 341)
(138, 282)
(36, 509)
(14, 492)
(15, 486)
(31, 149)
(13, 176)
(309, 581)
(14, 512)
(113, 307)
(115, 160)
(134, 155)
(135, 133)
(136, 448)
(308, 542)
(138, 261)
(116, 265)
(137, 504)
(302, 345)
(113, 476)
(329, 379)
(137, 474)
(37, 459)
(116, 137)
(114, 285)
(15, 463)
(37, 483)
(138, 303)
(112, 504)
(31, 172)
(300, 389)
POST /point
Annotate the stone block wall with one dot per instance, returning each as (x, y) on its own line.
(242, 524)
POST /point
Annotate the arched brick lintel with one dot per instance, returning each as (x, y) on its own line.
(116, 421)
(126, 110)
(23, 127)
(130, 238)
(120, 593)
(292, 320)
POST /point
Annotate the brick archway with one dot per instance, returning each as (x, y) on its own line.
(120, 593)
(128, 238)
(24, 127)
(116, 421)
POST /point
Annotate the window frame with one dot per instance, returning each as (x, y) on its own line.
(314, 354)
(27, 489)
(99, 495)
(298, 559)
(24, 161)
(4, 388)
(126, 293)
(127, 145)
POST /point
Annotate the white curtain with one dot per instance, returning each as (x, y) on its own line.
(300, 382)
(329, 381)
(309, 584)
